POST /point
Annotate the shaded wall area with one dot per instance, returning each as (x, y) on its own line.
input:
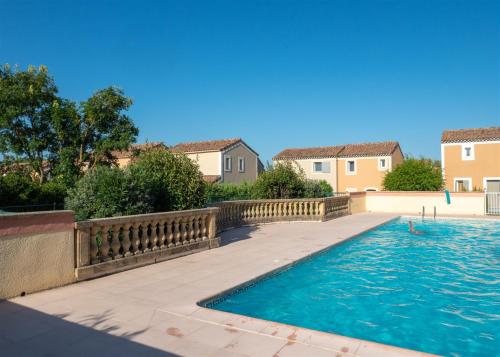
(36, 252)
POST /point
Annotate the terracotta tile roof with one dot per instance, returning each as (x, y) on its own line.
(211, 178)
(308, 153)
(369, 149)
(474, 134)
(350, 150)
(204, 146)
(134, 148)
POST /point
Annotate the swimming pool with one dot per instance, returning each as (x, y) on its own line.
(438, 292)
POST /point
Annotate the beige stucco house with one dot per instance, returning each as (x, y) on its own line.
(470, 159)
(224, 161)
(123, 158)
(352, 167)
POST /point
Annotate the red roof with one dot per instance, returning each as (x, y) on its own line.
(350, 150)
(474, 134)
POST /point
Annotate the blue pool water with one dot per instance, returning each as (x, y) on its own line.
(438, 292)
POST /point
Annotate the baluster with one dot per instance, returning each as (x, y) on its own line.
(178, 231)
(184, 231)
(154, 236)
(135, 238)
(190, 229)
(145, 237)
(162, 234)
(94, 248)
(126, 243)
(105, 244)
(205, 219)
(115, 242)
(169, 233)
(197, 229)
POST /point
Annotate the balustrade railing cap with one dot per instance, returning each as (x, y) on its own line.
(144, 217)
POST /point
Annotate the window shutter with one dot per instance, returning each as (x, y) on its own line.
(326, 167)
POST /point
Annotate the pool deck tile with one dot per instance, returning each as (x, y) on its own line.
(153, 311)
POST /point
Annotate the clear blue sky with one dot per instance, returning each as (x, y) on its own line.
(276, 73)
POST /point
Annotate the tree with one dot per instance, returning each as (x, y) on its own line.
(414, 175)
(26, 101)
(282, 180)
(88, 134)
(49, 132)
(173, 181)
(106, 192)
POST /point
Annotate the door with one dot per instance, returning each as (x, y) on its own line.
(493, 185)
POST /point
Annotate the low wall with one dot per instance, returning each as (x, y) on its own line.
(36, 252)
(357, 202)
(462, 203)
(110, 245)
(238, 213)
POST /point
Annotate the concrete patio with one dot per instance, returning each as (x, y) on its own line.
(153, 310)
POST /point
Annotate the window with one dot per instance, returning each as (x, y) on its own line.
(321, 167)
(491, 184)
(382, 164)
(462, 184)
(227, 163)
(350, 167)
(241, 164)
(467, 152)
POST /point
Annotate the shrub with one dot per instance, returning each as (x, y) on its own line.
(52, 192)
(317, 188)
(17, 188)
(215, 192)
(106, 192)
(173, 181)
(282, 180)
(414, 175)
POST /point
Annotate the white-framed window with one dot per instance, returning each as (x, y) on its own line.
(382, 164)
(321, 167)
(241, 164)
(462, 184)
(227, 163)
(350, 167)
(491, 184)
(467, 151)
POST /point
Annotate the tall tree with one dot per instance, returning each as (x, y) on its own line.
(38, 127)
(88, 134)
(26, 101)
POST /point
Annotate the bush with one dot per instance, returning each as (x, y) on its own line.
(52, 192)
(215, 192)
(414, 175)
(317, 188)
(173, 181)
(17, 189)
(282, 180)
(106, 192)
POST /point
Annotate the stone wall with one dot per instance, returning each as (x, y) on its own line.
(36, 252)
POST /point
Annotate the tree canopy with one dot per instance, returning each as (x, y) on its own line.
(48, 132)
(414, 175)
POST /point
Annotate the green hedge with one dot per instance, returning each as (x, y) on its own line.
(281, 181)
(19, 189)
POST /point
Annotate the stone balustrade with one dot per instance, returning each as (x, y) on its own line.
(109, 245)
(237, 213)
